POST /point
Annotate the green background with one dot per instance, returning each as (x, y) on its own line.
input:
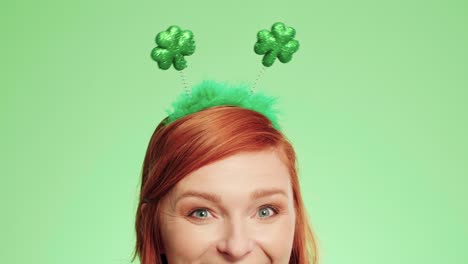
(375, 102)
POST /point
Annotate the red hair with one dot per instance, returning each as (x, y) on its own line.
(196, 140)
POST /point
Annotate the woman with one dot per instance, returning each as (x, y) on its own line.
(220, 185)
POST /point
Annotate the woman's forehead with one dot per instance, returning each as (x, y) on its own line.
(249, 173)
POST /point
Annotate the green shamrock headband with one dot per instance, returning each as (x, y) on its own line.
(174, 44)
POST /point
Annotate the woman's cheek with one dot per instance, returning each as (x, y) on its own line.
(186, 238)
(277, 238)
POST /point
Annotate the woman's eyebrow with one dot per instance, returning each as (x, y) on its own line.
(260, 193)
(257, 194)
(204, 195)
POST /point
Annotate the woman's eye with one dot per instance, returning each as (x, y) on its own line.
(265, 212)
(200, 213)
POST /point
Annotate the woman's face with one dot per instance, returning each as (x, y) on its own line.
(236, 210)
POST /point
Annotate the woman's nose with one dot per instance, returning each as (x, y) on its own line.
(236, 241)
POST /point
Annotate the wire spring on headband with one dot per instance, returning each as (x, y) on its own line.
(185, 83)
(259, 75)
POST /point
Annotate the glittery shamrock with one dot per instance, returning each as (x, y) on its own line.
(173, 45)
(278, 43)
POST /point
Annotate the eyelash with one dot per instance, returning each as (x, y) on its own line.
(275, 210)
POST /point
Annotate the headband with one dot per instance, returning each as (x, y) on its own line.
(174, 44)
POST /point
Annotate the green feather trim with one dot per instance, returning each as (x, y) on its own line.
(209, 94)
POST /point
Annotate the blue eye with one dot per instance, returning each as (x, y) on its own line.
(200, 213)
(268, 211)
